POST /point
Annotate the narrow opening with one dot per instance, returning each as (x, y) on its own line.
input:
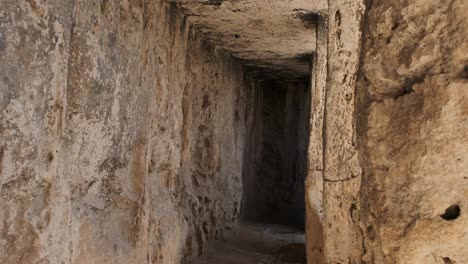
(275, 166)
(273, 187)
(272, 217)
(451, 213)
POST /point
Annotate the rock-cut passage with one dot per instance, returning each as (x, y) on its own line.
(275, 164)
(275, 167)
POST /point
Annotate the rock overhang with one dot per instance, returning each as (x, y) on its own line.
(272, 38)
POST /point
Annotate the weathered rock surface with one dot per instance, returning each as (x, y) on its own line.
(314, 178)
(274, 38)
(393, 161)
(414, 132)
(333, 181)
(130, 129)
(121, 134)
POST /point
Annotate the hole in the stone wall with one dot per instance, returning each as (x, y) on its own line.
(50, 157)
(408, 90)
(371, 232)
(388, 40)
(353, 211)
(206, 101)
(447, 260)
(451, 213)
(338, 18)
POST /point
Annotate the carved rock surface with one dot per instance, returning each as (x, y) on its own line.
(128, 128)
(122, 134)
(414, 132)
(272, 37)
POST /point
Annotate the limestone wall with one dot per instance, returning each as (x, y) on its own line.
(122, 134)
(333, 182)
(414, 132)
(393, 136)
(314, 180)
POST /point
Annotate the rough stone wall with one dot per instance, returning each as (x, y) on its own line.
(274, 187)
(342, 240)
(401, 197)
(314, 180)
(333, 183)
(34, 196)
(413, 131)
(121, 134)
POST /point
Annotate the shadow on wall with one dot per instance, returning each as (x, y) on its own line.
(276, 154)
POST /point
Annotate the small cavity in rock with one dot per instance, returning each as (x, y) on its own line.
(451, 213)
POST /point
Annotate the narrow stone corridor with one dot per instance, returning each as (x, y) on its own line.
(271, 226)
(233, 132)
(275, 164)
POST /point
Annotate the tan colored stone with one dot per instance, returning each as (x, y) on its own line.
(413, 133)
(122, 134)
(126, 127)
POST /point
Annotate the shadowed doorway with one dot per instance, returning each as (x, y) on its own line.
(276, 158)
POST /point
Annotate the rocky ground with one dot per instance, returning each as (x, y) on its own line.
(258, 244)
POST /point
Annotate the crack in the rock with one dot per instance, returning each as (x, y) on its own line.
(342, 180)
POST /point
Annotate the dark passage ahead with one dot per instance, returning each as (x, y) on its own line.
(276, 158)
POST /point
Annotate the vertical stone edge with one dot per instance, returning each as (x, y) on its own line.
(342, 171)
(314, 180)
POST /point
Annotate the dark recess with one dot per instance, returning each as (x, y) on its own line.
(213, 2)
(447, 260)
(309, 18)
(273, 187)
(451, 213)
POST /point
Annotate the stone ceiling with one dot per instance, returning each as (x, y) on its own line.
(271, 37)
